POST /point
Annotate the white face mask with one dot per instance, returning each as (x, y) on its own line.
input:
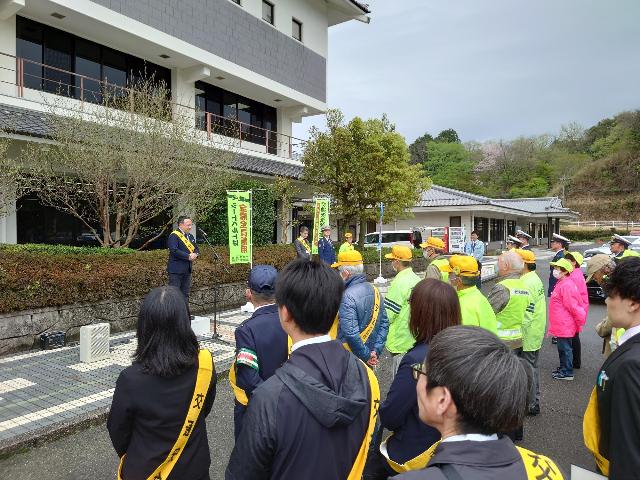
(557, 273)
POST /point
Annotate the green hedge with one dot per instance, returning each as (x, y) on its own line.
(592, 234)
(33, 276)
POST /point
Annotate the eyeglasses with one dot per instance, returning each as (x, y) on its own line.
(418, 369)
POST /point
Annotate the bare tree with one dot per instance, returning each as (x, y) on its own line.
(285, 191)
(121, 165)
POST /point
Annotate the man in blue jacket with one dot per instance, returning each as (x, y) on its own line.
(357, 327)
(326, 252)
(183, 250)
(314, 417)
(261, 343)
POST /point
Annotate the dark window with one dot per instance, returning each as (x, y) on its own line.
(296, 29)
(88, 63)
(59, 50)
(481, 225)
(267, 12)
(455, 221)
(497, 229)
(255, 117)
(29, 47)
(57, 57)
(511, 227)
(236, 1)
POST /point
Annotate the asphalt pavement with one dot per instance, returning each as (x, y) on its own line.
(556, 432)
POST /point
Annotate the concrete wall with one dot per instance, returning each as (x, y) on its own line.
(18, 329)
(241, 36)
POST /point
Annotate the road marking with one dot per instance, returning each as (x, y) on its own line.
(55, 410)
(15, 384)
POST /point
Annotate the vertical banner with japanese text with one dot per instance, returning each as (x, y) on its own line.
(320, 219)
(239, 213)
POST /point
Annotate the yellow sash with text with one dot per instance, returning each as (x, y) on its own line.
(203, 380)
(185, 240)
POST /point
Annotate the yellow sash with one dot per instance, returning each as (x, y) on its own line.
(366, 333)
(185, 240)
(241, 395)
(305, 244)
(203, 380)
(591, 432)
(535, 465)
(361, 458)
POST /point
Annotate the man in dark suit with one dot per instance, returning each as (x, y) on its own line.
(559, 245)
(182, 252)
(617, 385)
(261, 343)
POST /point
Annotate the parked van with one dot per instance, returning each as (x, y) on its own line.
(394, 237)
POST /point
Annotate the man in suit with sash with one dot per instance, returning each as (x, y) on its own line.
(182, 252)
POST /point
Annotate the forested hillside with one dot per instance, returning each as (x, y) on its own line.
(596, 170)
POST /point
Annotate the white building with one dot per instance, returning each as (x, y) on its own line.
(494, 219)
(262, 64)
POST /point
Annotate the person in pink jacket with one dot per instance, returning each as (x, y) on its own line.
(578, 278)
(566, 314)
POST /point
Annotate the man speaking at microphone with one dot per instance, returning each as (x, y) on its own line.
(182, 252)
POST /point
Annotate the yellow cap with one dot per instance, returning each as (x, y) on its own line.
(400, 252)
(577, 256)
(527, 255)
(433, 242)
(349, 257)
(464, 265)
(563, 263)
(348, 235)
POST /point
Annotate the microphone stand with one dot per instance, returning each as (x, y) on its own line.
(216, 262)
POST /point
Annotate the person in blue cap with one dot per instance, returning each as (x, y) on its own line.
(261, 343)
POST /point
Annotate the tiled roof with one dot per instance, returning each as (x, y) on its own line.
(533, 205)
(35, 124)
(438, 196)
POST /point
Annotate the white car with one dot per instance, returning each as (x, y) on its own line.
(394, 237)
(604, 248)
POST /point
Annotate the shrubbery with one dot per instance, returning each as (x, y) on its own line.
(592, 234)
(33, 276)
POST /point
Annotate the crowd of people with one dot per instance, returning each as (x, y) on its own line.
(465, 370)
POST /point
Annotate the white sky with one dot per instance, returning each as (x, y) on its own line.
(489, 69)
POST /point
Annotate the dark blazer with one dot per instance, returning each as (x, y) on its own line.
(146, 417)
(264, 336)
(179, 254)
(618, 390)
(399, 412)
(553, 280)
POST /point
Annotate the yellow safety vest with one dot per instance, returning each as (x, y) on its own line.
(203, 380)
(442, 262)
(591, 432)
(185, 240)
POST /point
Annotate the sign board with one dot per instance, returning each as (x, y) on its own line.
(320, 219)
(456, 239)
(239, 217)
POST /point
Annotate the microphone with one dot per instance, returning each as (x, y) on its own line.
(204, 234)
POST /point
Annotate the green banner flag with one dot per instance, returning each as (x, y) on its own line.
(239, 213)
(320, 219)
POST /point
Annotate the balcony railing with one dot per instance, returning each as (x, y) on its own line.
(31, 75)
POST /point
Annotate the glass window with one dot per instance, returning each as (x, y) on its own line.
(57, 57)
(88, 63)
(481, 225)
(455, 221)
(29, 47)
(114, 72)
(497, 229)
(244, 116)
(267, 12)
(511, 227)
(296, 29)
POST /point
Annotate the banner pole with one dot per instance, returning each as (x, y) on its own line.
(251, 228)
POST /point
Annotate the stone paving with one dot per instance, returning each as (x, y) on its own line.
(43, 390)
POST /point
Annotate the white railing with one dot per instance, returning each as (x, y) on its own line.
(603, 224)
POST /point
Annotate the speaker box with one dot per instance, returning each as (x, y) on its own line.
(94, 342)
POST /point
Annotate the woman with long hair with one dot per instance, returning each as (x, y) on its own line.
(157, 418)
(434, 306)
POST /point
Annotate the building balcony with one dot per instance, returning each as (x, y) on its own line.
(27, 87)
